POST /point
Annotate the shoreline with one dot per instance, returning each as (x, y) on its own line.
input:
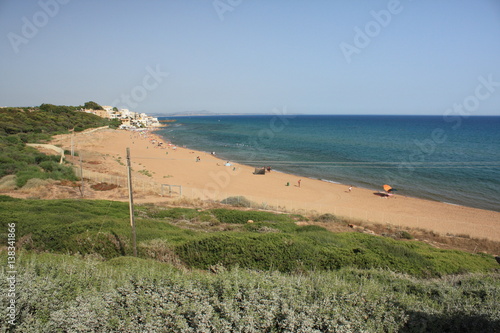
(449, 172)
(210, 179)
(335, 182)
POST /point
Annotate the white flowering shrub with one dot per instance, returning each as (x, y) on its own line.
(57, 293)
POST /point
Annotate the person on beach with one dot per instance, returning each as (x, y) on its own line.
(298, 182)
(350, 189)
(198, 159)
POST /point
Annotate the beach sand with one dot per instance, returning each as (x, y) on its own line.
(209, 178)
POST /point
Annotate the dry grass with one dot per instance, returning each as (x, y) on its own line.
(103, 186)
(8, 183)
(449, 241)
(35, 183)
(341, 224)
(160, 250)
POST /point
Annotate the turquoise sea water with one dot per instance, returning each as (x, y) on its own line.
(454, 160)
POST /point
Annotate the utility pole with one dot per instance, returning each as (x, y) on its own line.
(131, 202)
(72, 149)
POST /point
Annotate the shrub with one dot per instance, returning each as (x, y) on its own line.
(329, 218)
(145, 173)
(19, 126)
(270, 251)
(176, 213)
(102, 227)
(241, 217)
(405, 235)
(8, 182)
(238, 201)
(6, 198)
(23, 176)
(311, 228)
(50, 170)
(36, 183)
(59, 293)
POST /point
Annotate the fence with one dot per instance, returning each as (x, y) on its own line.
(139, 184)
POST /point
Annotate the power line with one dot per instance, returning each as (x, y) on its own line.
(367, 164)
(322, 162)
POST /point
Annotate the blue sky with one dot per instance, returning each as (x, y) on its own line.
(240, 56)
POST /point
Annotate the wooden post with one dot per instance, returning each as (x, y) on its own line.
(131, 202)
(81, 173)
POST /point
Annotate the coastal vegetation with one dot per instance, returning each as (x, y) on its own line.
(212, 270)
(215, 268)
(19, 126)
(145, 173)
(201, 239)
(92, 106)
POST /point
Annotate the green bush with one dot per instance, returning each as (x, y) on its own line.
(240, 217)
(238, 201)
(405, 235)
(60, 293)
(68, 152)
(311, 228)
(19, 126)
(323, 250)
(261, 252)
(6, 198)
(23, 176)
(275, 243)
(181, 214)
(279, 226)
(50, 170)
(329, 218)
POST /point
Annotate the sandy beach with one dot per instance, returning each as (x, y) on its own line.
(204, 176)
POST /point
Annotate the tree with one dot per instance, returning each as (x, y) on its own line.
(115, 109)
(115, 123)
(92, 106)
(47, 107)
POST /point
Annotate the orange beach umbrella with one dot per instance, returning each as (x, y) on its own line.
(387, 188)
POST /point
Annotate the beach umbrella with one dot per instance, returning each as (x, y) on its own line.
(388, 188)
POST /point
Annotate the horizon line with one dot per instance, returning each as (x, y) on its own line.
(194, 114)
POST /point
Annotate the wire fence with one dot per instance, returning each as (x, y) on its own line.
(141, 184)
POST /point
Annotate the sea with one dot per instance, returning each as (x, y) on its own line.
(455, 160)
